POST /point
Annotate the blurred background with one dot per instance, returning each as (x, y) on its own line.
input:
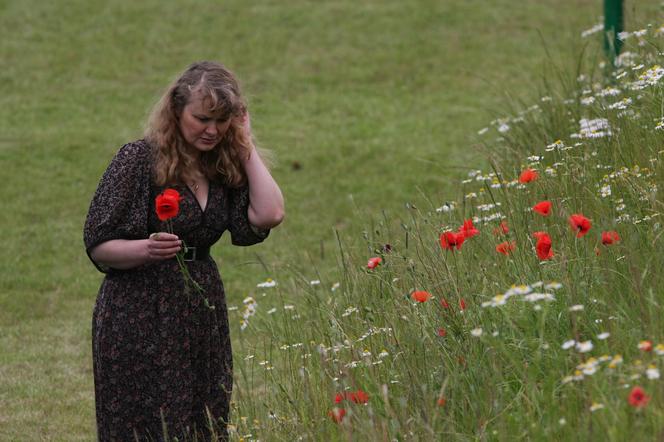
(366, 105)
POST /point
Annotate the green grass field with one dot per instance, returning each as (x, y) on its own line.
(367, 107)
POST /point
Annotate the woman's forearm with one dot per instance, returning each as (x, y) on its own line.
(120, 253)
(266, 203)
(125, 254)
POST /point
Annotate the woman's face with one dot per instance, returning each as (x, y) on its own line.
(201, 128)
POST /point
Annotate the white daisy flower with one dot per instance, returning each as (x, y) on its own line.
(584, 347)
(568, 344)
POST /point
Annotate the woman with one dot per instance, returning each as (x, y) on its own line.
(162, 358)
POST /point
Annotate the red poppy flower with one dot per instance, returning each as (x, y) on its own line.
(444, 303)
(610, 237)
(172, 193)
(462, 304)
(468, 229)
(506, 247)
(442, 332)
(645, 346)
(450, 240)
(543, 246)
(543, 208)
(579, 223)
(441, 401)
(359, 397)
(527, 176)
(420, 296)
(167, 204)
(638, 397)
(502, 228)
(374, 262)
(337, 414)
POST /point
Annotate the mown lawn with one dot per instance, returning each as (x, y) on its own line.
(366, 106)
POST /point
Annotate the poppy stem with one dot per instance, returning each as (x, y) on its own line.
(186, 276)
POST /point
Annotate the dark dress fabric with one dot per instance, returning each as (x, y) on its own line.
(159, 355)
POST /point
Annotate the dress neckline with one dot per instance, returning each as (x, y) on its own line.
(202, 208)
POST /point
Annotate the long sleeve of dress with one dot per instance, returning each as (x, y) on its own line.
(242, 232)
(119, 208)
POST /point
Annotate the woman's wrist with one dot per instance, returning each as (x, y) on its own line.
(250, 154)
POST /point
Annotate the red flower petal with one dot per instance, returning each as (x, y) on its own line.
(527, 176)
(645, 346)
(374, 262)
(468, 229)
(638, 397)
(360, 397)
(610, 237)
(167, 204)
(450, 240)
(337, 414)
(543, 208)
(543, 246)
(420, 296)
(580, 224)
(506, 247)
(501, 229)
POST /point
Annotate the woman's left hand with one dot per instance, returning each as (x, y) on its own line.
(246, 121)
(245, 125)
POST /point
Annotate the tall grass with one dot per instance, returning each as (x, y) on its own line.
(508, 346)
(374, 101)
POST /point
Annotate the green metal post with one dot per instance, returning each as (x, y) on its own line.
(613, 24)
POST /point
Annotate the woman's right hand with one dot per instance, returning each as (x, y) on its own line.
(163, 245)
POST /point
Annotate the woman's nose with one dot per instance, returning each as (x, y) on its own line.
(211, 129)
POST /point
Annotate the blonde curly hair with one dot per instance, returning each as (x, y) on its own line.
(175, 160)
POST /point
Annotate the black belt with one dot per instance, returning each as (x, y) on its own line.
(196, 253)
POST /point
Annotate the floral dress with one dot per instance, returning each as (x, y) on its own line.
(161, 357)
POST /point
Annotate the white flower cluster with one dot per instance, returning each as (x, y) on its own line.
(446, 207)
(488, 207)
(622, 104)
(269, 282)
(349, 311)
(595, 128)
(589, 367)
(488, 218)
(626, 59)
(556, 145)
(526, 292)
(609, 92)
(587, 101)
(648, 78)
(250, 306)
(599, 27)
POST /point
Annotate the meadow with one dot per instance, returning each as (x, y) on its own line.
(375, 113)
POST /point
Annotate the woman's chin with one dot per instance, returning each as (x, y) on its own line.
(204, 146)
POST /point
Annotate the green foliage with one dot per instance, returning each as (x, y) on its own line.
(367, 107)
(555, 353)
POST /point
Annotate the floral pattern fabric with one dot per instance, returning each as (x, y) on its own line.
(159, 355)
